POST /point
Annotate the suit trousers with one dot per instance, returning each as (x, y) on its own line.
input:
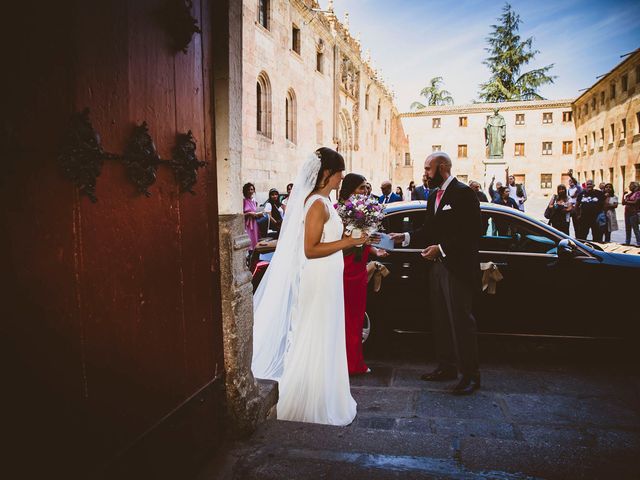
(453, 323)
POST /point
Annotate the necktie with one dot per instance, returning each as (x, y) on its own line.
(439, 194)
(386, 199)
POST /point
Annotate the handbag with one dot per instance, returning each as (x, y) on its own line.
(548, 213)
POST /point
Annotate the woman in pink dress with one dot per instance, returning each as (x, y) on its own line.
(355, 283)
(250, 208)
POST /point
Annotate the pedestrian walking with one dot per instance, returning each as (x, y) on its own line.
(631, 202)
(609, 207)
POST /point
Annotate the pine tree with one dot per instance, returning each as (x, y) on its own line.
(433, 95)
(507, 55)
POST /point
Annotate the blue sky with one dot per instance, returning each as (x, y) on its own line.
(414, 40)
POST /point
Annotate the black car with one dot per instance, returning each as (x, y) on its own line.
(553, 285)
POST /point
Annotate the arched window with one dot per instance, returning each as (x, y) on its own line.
(290, 115)
(263, 105)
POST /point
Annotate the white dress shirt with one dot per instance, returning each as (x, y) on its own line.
(445, 184)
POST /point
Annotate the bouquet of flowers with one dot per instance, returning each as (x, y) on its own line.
(360, 213)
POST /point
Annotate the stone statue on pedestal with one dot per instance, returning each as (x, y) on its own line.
(495, 134)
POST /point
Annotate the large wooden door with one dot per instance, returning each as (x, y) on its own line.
(113, 306)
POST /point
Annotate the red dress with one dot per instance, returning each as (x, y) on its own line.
(355, 303)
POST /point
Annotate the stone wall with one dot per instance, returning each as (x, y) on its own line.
(336, 107)
(603, 156)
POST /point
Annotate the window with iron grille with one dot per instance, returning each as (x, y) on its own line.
(546, 148)
(567, 147)
(547, 117)
(462, 151)
(546, 180)
(436, 148)
(519, 118)
(612, 133)
(435, 123)
(462, 121)
(263, 13)
(567, 116)
(519, 150)
(295, 39)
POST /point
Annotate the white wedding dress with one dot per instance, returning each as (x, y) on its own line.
(298, 317)
(315, 383)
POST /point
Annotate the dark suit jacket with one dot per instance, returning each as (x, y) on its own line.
(457, 228)
(420, 193)
(393, 197)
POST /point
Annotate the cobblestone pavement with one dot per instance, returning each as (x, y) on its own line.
(560, 419)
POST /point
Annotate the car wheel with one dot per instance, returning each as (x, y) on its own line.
(366, 328)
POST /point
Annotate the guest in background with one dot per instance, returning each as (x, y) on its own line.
(589, 204)
(516, 190)
(387, 195)
(559, 210)
(400, 193)
(505, 198)
(494, 194)
(286, 199)
(573, 191)
(502, 227)
(601, 186)
(609, 207)
(421, 192)
(410, 189)
(273, 209)
(251, 214)
(631, 202)
(355, 283)
(369, 189)
(475, 186)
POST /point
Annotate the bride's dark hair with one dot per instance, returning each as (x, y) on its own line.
(329, 160)
(350, 182)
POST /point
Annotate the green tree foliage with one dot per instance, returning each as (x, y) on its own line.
(434, 95)
(508, 53)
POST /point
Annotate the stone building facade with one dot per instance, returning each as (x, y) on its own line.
(538, 150)
(607, 120)
(306, 85)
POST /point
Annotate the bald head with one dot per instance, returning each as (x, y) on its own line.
(440, 158)
(385, 186)
(437, 167)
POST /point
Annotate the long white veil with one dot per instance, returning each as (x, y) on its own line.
(275, 300)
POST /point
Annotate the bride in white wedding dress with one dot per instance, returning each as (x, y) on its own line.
(299, 332)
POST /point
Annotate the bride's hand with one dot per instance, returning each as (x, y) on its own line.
(355, 242)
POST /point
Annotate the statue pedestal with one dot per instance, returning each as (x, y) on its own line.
(493, 167)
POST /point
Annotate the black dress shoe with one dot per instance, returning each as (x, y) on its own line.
(466, 386)
(440, 375)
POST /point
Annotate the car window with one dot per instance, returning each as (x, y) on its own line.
(400, 222)
(505, 233)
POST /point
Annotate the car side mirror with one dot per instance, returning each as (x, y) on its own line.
(566, 248)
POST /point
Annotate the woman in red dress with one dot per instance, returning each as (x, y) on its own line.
(355, 283)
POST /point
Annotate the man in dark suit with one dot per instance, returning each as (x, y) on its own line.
(451, 234)
(387, 195)
(421, 192)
